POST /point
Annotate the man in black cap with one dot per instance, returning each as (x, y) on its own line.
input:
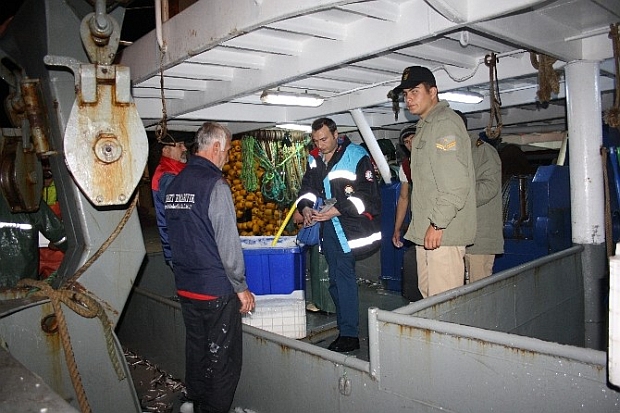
(443, 200)
(172, 161)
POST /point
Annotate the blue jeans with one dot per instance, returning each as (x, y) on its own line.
(213, 351)
(342, 282)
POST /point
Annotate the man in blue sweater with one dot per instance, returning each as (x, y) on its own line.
(209, 272)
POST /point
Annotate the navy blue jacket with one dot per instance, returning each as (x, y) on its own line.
(349, 178)
(207, 255)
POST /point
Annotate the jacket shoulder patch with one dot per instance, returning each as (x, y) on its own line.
(446, 143)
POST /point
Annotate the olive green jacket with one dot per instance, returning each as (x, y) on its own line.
(488, 166)
(443, 177)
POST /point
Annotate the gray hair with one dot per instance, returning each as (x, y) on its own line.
(211, 132)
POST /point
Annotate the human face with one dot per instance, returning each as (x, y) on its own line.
(407, 140)
(326, 141)
(222, 154)
(420, 100)
(178, 152)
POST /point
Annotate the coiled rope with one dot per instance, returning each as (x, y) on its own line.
(273, 186)
(87, 307)
(612, 116)
(547, 77)
(281, 179)
(83, 305)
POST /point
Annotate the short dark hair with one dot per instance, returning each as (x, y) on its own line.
(320, 122)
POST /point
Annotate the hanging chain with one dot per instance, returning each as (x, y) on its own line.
(495, 115)
(612, 116)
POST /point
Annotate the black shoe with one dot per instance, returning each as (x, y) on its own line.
(333, 344)
(345, 344)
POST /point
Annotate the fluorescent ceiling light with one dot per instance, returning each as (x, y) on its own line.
(294, 126)
(273, 97)
(462, 97)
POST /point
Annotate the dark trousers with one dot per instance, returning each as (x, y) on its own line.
(213, 351)
(342, 282)
(410, 288)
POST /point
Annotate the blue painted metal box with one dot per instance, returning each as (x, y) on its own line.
(277, 269)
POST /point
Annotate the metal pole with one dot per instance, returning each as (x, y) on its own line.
(585, 131)
(371, 142)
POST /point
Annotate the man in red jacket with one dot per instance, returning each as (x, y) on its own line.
(172, 161)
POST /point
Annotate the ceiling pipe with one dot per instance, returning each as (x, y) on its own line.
(158, 28)
(371, 142)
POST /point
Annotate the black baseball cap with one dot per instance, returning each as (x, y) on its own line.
(413, 76)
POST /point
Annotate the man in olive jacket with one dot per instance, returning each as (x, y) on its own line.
(480, 256)
(443, 201)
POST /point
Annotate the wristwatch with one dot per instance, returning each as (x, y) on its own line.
(435, 227)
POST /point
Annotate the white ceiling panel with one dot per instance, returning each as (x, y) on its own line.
(221, 55)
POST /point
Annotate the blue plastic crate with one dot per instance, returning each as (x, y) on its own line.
(275, 269)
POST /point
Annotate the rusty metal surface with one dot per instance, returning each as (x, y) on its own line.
(36, 112)
(40, 350)
(52, 27)
(106, 147)
(455, 352)
(23, 391)
(21, 175)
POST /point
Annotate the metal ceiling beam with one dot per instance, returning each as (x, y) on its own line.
(205, 25)
(279, 70)
(536, 30)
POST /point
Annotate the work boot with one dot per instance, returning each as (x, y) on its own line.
(344, 344)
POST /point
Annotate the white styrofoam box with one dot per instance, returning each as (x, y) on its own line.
(283, 314)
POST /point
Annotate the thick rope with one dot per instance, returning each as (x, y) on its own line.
(612, 116)
(84, 306)
(495, 114)
(69, 283)
(161, 130)
(548, 80)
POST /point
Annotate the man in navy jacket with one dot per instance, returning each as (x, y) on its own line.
(209, 272)
(343, 171)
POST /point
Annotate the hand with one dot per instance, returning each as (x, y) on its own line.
(432, 238)
(307, 215)
(247, 301)
(396, 239)
(298, 218)
(325, 216)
